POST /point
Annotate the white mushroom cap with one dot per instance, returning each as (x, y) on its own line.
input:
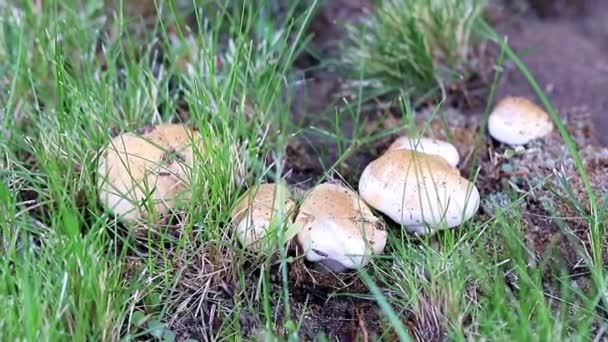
(435, 147)
(420, 191)
(517, 121)
(255, 212)
(134, 171)
(336, 225)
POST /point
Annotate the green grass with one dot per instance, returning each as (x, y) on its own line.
(64, 258)
(75, 76)
(412, 46)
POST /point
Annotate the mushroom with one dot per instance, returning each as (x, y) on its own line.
(435, 147)
(420, 191)
(138, 174)
(254, 213)
(517, 121)
(338, 229)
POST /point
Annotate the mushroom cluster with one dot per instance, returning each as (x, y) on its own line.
(415, 183)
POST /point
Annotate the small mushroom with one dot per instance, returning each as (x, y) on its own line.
(435, 147)
(152, 171)
(517, 121)
(253, 215)
(338, 229)
(420, 191)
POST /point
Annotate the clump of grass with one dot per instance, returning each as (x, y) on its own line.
(416, 46)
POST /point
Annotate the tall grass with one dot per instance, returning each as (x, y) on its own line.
(414, 46)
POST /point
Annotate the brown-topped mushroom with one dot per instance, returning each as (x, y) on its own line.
(338, 229)
(517, 121)
(138, 174)
(420, 191)
(254, 214)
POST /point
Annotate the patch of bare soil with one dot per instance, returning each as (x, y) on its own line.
(319, 93)
(318, 298)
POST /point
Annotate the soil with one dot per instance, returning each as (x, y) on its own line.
(317, 297)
